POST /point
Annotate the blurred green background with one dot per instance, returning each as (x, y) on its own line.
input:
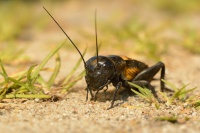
(141, 27)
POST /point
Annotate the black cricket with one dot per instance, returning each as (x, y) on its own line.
(118, 70)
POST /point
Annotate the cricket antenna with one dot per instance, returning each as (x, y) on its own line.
(96, 37)
(67, 36)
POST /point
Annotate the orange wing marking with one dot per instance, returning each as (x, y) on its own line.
(130, 73)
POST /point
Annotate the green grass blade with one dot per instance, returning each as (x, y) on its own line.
(5, 77)
(25, 85)
(138, 87)
(187, 91)
(169, 119)
(22, 90)
(4, 73)
(196, 103)
(179, 93)
(4, 89)
(170, 85)
(19, 76)
(164, 95)
(3, 69)
(29, 79)
(71, 84)
(140, 95)
(142, 92)
(29, 96)
(182, 95)
(47, 58)
(23, 82)
(55, 72)
(44, 84)
(74, 69)
(145, 94)
(16, 82)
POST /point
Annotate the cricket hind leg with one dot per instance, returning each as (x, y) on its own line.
(150, 72)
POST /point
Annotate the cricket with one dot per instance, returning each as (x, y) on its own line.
(116, 70)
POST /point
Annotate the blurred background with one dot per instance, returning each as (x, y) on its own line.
(146, 30)
(136, 28)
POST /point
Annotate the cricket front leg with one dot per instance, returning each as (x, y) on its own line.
(89, 90)
(115, 93)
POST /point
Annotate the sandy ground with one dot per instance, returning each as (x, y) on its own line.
(74, 114)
